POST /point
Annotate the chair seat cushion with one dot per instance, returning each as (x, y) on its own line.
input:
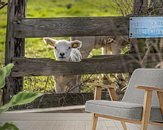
(125, 110)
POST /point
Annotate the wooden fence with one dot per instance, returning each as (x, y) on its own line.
(19, 28)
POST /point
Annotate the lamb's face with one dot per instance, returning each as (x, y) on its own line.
(62, 48)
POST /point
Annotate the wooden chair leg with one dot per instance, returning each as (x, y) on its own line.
(146, 110)
(114, 97)
(124, 125)
(160, 98)
(94, 122)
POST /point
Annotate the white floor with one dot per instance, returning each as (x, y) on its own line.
(57, 121)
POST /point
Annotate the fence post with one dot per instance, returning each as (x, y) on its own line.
(140, 7)
(14, 46)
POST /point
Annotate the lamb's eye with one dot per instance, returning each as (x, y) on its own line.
(55, 47)
(69, 47)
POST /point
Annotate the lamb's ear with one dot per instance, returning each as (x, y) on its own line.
(76, 44)
(50, 41)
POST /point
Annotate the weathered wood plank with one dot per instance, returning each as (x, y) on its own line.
(14, 46)
(76, 26)
(96, 65)
(109, 64)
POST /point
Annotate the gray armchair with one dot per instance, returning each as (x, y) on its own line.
(141, 104)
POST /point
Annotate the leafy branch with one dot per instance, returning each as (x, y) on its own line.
(3, 4)
(19, 99)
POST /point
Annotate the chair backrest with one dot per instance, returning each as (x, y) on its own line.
(143, 77)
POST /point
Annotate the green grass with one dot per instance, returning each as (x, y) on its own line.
(54, 8)
(66, 8)
(59, 8)
(35, 48)
(3, 21)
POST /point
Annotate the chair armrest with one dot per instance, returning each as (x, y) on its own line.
(147, 88)
(148, 101)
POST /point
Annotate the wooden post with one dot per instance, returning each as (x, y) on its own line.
(14, 46)
(140, 7)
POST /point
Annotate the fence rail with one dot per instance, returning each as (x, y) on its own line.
(96, 65)
(76, 26)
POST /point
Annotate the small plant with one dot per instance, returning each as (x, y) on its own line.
(19, 99)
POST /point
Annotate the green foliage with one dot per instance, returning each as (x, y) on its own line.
(4, 72)
(43, 84)
(8, 126)
(20, 99)
(62, 8)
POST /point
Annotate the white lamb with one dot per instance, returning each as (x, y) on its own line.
(66, 51)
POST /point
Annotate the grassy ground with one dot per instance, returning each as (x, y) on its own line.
(63, 8)
(3, 17)
(55, 8)
(35, 48)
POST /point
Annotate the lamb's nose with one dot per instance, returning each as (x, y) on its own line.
(62, 54)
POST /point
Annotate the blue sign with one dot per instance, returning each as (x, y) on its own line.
(146, 27)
